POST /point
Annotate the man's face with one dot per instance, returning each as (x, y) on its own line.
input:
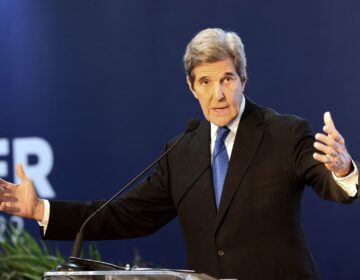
(219, 90)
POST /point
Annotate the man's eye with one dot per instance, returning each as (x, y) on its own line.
(228, 79)
(204, 82)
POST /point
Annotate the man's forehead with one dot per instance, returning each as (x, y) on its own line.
(213, 69)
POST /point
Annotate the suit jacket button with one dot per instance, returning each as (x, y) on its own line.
(221, 253)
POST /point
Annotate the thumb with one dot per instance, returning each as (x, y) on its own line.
(328, 120)
(20, 172)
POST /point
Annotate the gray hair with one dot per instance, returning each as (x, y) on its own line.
(213, 45)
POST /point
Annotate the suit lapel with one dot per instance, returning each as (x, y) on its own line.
(197, 174)
(247, 140)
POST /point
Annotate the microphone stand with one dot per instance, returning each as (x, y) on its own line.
(75, 263)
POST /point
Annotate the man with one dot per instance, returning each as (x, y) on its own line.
(235, 183)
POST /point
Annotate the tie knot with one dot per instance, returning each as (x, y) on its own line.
(221, 134)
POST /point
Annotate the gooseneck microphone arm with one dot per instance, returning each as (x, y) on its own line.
(191, 125)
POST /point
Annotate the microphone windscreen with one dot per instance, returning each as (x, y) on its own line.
(192, 124)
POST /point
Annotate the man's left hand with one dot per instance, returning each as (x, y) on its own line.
(332, 147)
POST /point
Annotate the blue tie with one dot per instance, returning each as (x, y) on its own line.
(219, 162)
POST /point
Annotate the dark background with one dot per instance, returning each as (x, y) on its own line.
(103, 83)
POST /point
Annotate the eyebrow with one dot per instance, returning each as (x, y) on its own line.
(202, 78)
(226, 74)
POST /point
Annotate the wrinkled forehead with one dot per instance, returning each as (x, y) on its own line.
(214, 70)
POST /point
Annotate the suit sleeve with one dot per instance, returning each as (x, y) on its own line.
(309, 171)
(143, 210)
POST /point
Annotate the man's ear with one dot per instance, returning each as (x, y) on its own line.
(243, 83)
(191, 87)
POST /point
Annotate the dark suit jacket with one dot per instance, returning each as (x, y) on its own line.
(257, 232)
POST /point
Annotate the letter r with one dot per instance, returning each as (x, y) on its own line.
(38, 173)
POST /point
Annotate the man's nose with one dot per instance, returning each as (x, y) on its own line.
(218, 92)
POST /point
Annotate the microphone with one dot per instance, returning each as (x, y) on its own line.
(191, 125)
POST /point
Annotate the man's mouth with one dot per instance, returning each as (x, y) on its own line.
(220, 109)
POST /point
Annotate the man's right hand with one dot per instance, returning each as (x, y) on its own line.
(21, 199)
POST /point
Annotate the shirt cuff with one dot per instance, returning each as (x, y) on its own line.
(45, 221)
(349, 182)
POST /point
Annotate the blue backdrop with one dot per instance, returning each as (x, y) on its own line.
(79, 79)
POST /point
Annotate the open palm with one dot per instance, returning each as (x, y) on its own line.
(20, 199)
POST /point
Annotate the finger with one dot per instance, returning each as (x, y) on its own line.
(3, 182)
(327, 140)
(334, 134)
(21, 173)
(6, 187)
(325, 149)
(4, 190)
(322, 158)
(8, 199)
(328, 120)
(9, 209)
(330, 128)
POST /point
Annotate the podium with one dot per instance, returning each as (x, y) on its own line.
(137, 274)
(87, 269)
